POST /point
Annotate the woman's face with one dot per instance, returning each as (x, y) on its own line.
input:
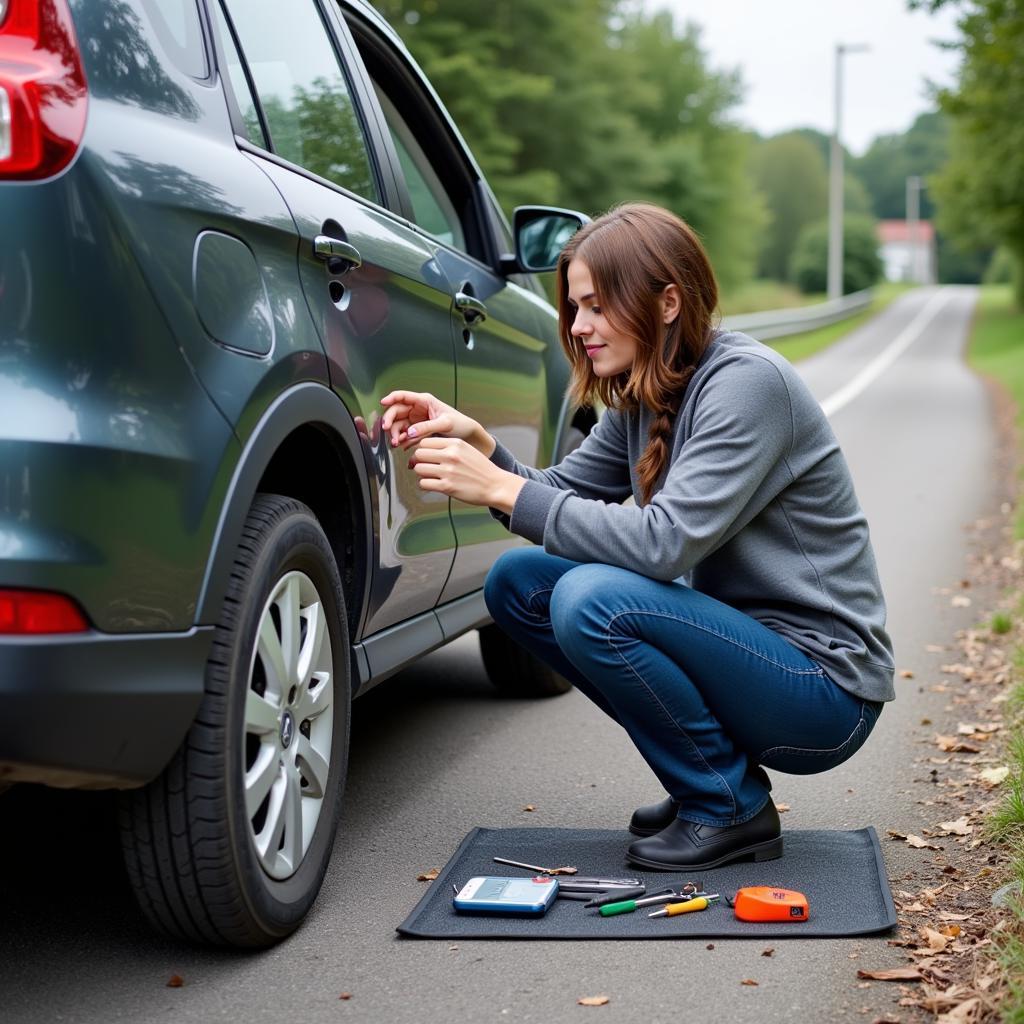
(610, 352)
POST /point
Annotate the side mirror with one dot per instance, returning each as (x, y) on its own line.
(540, 233)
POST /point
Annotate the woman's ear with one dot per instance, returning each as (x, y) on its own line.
(671, 303)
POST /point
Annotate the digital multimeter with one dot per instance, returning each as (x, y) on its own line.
(494, 895)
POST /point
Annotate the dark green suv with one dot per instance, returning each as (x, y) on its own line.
(228, 228)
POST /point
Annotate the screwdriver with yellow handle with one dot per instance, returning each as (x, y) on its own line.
(697, 903)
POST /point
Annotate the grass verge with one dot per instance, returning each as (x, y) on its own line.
(800, 346)
(997, 350)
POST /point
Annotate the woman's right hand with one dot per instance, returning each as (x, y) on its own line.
(412, 415)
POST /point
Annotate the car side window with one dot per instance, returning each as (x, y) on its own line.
(180, 33)
(432, 207)
(307, 107)
(439, 179)
(239, 83)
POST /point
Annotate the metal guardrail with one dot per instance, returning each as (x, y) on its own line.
(778, 323)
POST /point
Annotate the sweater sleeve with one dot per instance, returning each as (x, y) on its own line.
(729, 468)
(598, 469)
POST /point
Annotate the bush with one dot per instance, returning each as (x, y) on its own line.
(862, 266)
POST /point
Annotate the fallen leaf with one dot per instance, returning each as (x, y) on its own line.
(936, 940)
(920, 844)
(951, 744)
(345, 995)
(960, 827)
(948, 916)
(952, 930)
(175, 981)
(710, 945)
(782, 808)
(994, 776)
(966, 1011)
(592, 1001)
(960, 601)
(914, 908)
(906, 674)
(926, 721)
(529, 807)
(428, 876)
(893, 974)
(768, 952)
(748, 981)
(567, 870)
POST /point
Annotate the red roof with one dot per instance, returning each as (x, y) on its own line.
(899, 231)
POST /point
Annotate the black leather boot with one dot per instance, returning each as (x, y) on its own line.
(652, 818)
(686, 846)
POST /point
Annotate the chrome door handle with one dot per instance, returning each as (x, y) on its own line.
(339, 256)
(472, 309)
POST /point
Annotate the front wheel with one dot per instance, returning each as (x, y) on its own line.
(229, 845)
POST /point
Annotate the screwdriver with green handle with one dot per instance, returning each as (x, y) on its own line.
(628, 906)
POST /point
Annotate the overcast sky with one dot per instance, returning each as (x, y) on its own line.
(785, 49)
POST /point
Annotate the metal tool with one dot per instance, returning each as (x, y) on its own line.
(535, 867)
(687, 906)
(616, 896)
(687, 892)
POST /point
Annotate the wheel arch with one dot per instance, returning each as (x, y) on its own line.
(304, 446)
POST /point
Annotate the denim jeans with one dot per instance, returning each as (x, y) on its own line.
(706, 693)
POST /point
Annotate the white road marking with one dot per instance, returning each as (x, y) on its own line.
(848, 392)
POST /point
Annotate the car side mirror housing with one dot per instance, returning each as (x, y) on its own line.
(540, 233)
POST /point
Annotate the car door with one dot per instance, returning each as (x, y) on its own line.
(500, 358)
(374, 286)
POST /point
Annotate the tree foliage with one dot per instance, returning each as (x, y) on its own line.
(589, 103)
(980, 190)
(792, 175)
(862, 265)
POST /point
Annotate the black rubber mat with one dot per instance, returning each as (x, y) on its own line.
(842, 874)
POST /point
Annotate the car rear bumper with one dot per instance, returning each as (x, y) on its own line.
(97, 710)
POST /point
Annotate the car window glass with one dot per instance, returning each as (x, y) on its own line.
(306, 103)
(433, 210)
(178, 28)
(253, 130)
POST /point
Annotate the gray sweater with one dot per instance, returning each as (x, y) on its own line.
(757, 509)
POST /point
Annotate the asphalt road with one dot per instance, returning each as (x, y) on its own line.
(436, 753)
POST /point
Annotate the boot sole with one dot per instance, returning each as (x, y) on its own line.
(770, 850)
(643, 833)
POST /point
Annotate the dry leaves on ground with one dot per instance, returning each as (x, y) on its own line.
(428, 876)
(592, 1000)
(175, 981)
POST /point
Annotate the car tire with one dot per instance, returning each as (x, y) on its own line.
(513, 671)
(229, 845)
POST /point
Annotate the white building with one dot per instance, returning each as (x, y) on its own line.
(907, 258)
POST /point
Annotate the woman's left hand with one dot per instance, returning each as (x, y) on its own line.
(454, 467)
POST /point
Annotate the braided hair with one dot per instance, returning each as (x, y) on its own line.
(633, 252)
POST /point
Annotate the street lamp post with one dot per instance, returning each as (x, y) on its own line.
(914, 262)
(835, 181)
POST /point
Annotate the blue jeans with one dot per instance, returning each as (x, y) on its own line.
(706, 693)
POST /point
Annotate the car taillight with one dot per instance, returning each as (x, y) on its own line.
(34, 612)
(43, 93)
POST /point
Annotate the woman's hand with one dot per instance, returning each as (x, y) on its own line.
(413, 415)
(454, 467)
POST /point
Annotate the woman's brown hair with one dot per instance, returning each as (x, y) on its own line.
(633, 252)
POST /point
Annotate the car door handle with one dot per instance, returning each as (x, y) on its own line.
(339, 256)
(472, 309)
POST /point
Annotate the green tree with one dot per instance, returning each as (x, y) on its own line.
(590, 103)
(791, 173)
(862, 265)
(980, 190)
(891, 159)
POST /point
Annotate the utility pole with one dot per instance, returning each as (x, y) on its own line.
(913, 228)
(835, 181)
